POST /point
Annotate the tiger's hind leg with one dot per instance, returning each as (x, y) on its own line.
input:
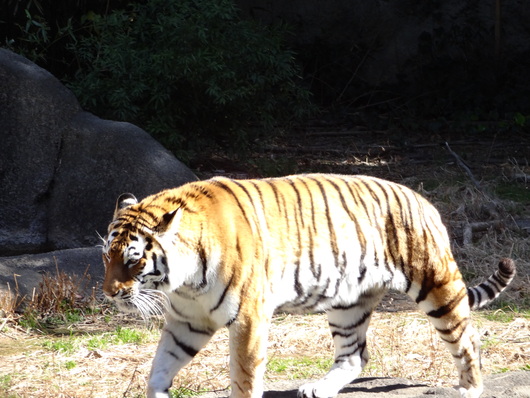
(447, 307)
(348, 326)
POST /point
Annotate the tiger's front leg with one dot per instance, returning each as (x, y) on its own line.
(179, 343)
(248, 355)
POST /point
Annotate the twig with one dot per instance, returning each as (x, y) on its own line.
(463, 166)
(131, 381)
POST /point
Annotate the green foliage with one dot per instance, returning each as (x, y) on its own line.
(188, 71)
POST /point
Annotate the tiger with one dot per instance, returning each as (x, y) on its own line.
(231, 253)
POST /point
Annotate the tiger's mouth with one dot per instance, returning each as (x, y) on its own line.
(146, 302)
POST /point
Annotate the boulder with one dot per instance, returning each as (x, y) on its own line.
(22, 274)
(61, 168)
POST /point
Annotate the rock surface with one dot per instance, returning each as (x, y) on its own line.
(61, 168)
(504, 385)
(24, 273)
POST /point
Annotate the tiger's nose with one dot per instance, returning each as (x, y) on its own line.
(111, 289)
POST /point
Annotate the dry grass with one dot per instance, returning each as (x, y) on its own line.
(401, 345)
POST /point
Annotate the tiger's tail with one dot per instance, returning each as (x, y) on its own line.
(488, 290)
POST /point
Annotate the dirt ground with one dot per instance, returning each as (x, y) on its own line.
(408, 359)
(506, 385)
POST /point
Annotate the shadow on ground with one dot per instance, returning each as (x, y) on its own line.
(511, 384)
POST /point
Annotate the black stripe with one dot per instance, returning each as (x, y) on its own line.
(452, 329)
(332, 235)
(312, 204)
(353, 217)
(251, 200)
(376, 206)
(362, 273)
(173, 355)
(489, 291)
(244, 189)
(323, 290)
(354, 325)
(475, 297)
(180, 314)
(190, 351)
(456, 339)
(445, 309)
(341, 334)
(360, 235)
(360, 347)
(149, 245)
(272, 185)
(223, 295)
(239, 249)
(229, 190)
(354, 342)
(199, 331)
(204, 263)
(262, 201)
(409, 284)
(298, 221)
(316, 270)
(234, 318)
(292, 183)
(391, 238)
(297, 285)
(281, 203)
(426, 285)
(501, 282)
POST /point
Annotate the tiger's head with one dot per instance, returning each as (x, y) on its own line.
(136, 263)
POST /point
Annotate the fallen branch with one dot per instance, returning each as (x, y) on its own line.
(521, 177)
(470, 228)
(464, 167)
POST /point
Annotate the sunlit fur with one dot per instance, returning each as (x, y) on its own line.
(230, 253)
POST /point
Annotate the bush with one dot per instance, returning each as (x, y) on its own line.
(190, 72)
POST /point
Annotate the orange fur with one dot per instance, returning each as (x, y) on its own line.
(231, 252)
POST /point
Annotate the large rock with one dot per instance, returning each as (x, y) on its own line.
(61, 168)
(22, 274)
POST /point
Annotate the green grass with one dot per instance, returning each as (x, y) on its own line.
(130, 336)
(505, 312)
(182, 392)
(68, 365)
(70, 344)
(6, 381)
(299, 368)
(120, 336)
(64, 345)
(516, 192)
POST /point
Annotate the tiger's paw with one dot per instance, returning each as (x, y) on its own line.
(151, 393)
(319, 389)
(472, 392)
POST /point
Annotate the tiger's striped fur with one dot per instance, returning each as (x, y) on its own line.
(230, 253)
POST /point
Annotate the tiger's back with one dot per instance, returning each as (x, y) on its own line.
(231, 252)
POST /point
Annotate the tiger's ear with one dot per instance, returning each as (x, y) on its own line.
(170, 222)
(123, 201)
